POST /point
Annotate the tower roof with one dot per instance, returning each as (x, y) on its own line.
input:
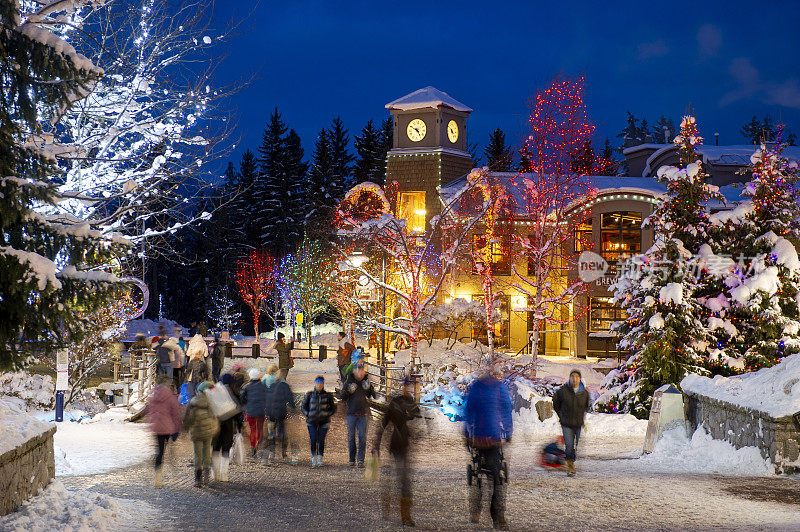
(427, 97)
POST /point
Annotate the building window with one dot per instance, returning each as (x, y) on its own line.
(620, 235)
(502, 329)
(602, 313)
(583, 236)
(500, 250)
(411, 208)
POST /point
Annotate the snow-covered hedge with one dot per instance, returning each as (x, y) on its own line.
(35, 391)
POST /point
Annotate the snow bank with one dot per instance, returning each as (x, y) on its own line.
(17, 426)
(37, 391)
(57, 508)
(774, 391)
(100, 444)
(674, 451)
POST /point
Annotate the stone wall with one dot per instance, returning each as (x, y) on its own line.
(25, 470)
(777, 438)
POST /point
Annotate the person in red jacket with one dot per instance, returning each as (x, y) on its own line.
(164, 415)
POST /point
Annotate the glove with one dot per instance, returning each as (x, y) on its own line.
(351, 387)
(365, 384)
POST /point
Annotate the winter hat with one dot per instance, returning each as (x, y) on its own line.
(226, 379)
(272, 369)
(281, 336)
(576, 371)
(254, 374)
(203, 386)
(319, 378)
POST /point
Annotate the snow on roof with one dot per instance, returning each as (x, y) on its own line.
(731, 155)
(427, 97)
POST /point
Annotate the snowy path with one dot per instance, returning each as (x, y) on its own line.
(611, 492)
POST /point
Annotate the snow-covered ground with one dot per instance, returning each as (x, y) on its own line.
(57, 508)
(98, 444)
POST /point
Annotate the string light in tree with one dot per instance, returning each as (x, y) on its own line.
(255, 278)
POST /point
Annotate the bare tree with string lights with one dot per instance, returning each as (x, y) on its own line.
(548, 190)
(255, 278)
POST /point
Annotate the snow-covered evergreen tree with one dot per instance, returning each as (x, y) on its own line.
(657, 290)
(371, 161)
(48, 278)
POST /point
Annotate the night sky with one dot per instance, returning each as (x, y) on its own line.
(315, 60)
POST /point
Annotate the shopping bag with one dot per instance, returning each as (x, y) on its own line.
(237, 451)
(222, 403)
(372, 469)
(184, 394)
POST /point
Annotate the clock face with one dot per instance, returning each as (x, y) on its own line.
(416, 130)
(452, 131)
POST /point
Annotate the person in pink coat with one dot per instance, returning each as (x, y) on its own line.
(164, 414)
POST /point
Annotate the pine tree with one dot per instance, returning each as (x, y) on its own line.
(583, 162)
(663, 125)
(322, 192)
(607, 163)
(499, 157)
(341, 158)
(664, 328)
(45, 288)
(472, 149)
(387, 136)
(633, 134)
(371, 162)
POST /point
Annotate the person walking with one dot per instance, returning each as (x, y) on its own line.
(401, 409)
(203, 425)
(196, 370)
(355, 392)
(487, 422)
(343, 352)
(166, 351)
(318, 408)
(570, 403)
(217, 357)
(285, 360)
(254, 403)
(228, 427)
(281, 402)
(179, 362)
(163, 412)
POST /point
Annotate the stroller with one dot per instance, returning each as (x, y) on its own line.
(479, 467)
(553, 455)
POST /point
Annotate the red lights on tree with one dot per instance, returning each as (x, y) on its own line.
(255, 278)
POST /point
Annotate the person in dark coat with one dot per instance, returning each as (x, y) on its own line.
(318, 407)
(401, 409)
(217, 357)
(167, 351)
(355, 392)
(487, 422)
(285, 360)
(203, 425)
(254, 404)
(165, 417)
(281, 402)
(570, 403)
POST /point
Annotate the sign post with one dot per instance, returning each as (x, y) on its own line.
(62, 382)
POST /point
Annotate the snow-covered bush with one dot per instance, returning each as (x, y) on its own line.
(36, 391)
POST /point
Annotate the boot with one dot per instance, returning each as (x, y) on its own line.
(570, 468)
(198, 478)
(475, 505)
(319, 460)
(206, 476)
(224, 463)
(500, 523)
(215, 465)
(386, 505)
(405, 511)
(159, 481)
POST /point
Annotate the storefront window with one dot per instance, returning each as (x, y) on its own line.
(602, 313)
(583, 236)
(411, 207)
(621, 235)
(500, 251)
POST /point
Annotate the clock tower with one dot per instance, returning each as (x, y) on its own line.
(429, 149)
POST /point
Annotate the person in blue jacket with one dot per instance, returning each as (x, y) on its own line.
(487, 423)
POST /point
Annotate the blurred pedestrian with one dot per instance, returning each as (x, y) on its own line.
(254, 403)
(203, 425)
(196, 370)
(401, 409)
(280, 403)
(285, 360)
(570, 403)
(487, 422)
(355, 392)
(179, 362)
(163, 412)
(228, 427)
(217, 357)
(343, 352)
(166, 351)
(202, 328)
(318, 407)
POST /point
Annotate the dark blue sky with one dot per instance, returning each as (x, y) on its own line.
(316, 60)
